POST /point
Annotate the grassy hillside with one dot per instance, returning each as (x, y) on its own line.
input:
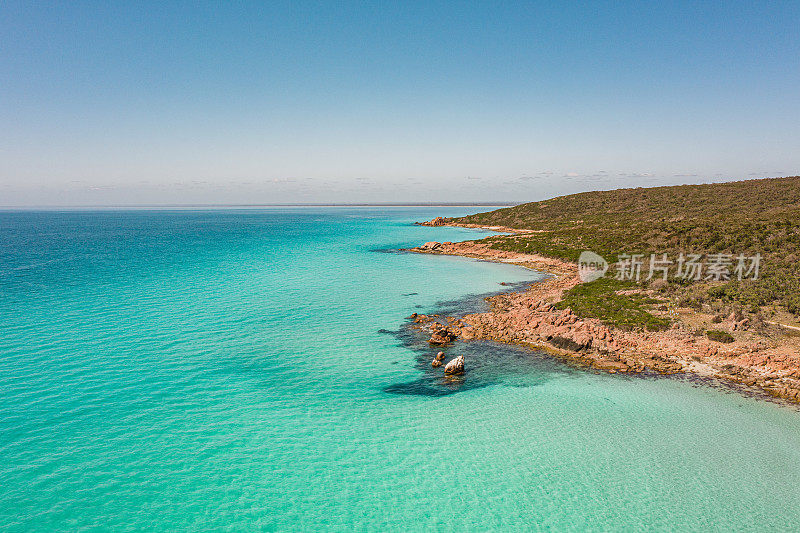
(745, 217)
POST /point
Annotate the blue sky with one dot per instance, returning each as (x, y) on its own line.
(161, 103)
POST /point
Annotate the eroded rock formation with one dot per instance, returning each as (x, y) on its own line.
(455, 366)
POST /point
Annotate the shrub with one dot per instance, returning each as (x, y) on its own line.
(719, 336)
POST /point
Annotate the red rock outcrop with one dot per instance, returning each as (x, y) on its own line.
(438, 221)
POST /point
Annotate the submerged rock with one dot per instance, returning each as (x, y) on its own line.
(456, 366)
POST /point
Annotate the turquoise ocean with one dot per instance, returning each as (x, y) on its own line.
(252, 369)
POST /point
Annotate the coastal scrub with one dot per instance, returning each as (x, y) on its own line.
(601, 299)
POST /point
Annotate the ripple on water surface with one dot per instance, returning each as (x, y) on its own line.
(187, 370)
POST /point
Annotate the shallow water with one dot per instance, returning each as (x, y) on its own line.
(250, 369)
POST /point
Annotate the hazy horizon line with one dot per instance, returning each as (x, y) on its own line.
(323, 204)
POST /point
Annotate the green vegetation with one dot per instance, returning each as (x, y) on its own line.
(719, 336)
(600, 299)
(745, 217)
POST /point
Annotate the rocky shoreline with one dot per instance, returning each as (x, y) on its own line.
(530, 318)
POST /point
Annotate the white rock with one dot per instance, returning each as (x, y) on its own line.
(455, 366)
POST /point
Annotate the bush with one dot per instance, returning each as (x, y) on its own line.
(719, 336)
